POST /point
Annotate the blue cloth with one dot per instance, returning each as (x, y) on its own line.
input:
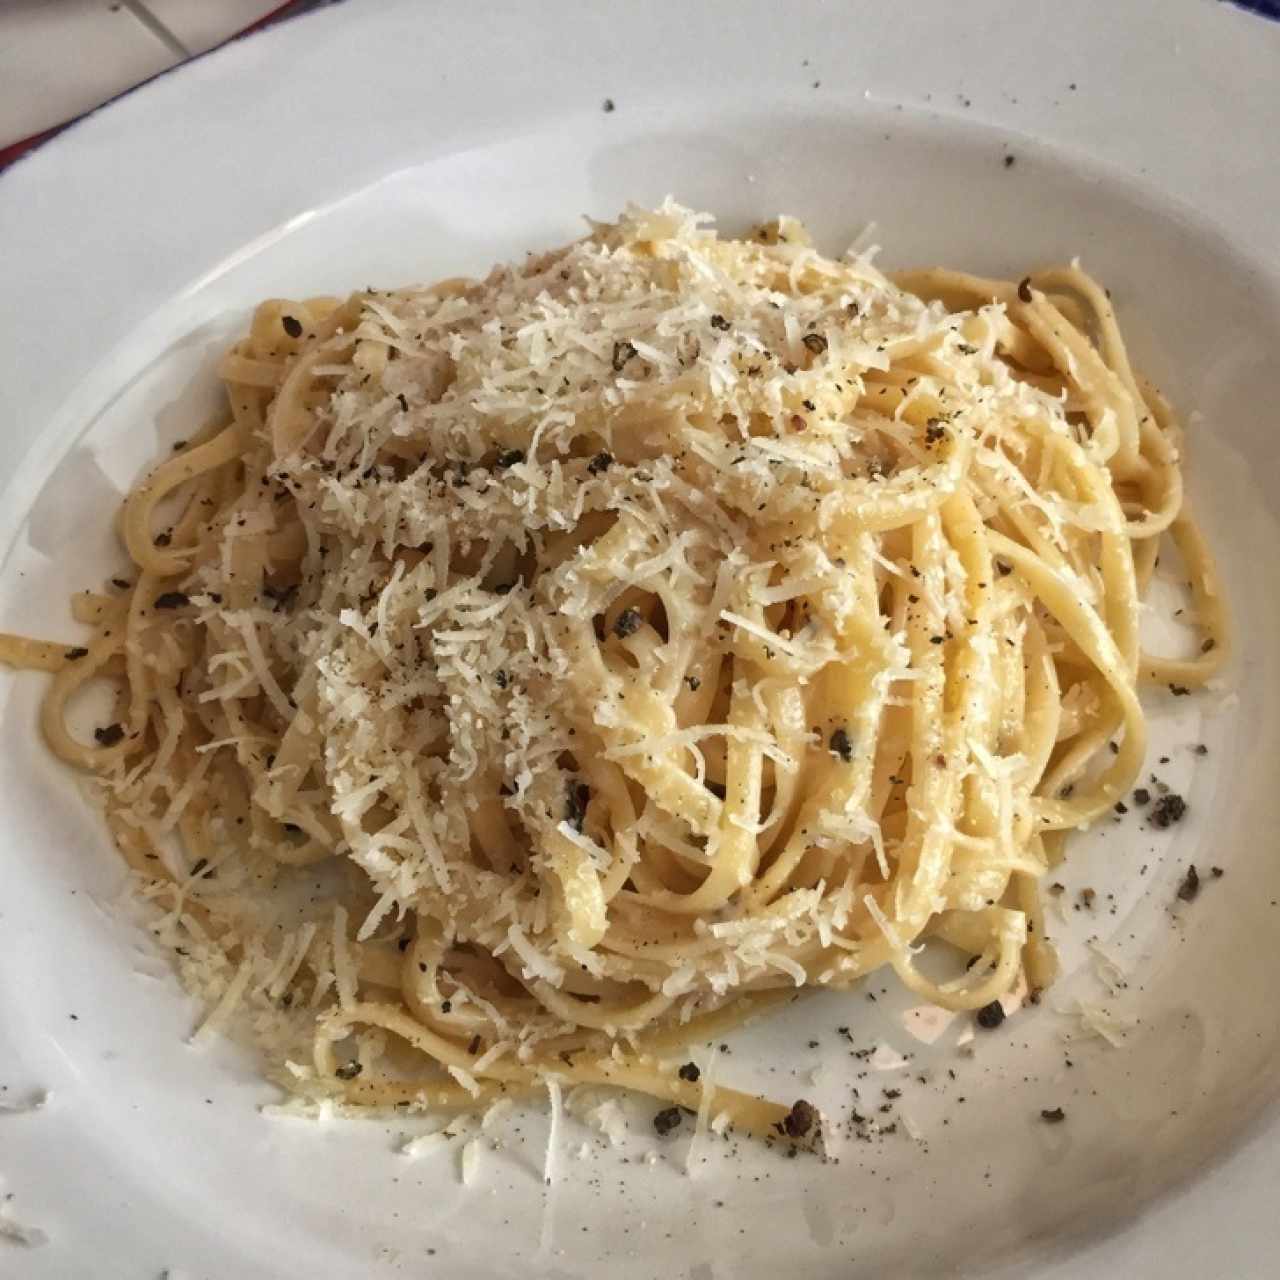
(1268, 8)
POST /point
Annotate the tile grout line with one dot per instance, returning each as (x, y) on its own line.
(146, 18)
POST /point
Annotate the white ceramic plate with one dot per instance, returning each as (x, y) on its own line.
(398, 141)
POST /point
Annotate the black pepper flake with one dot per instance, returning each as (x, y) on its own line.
(841, 746)
(575, 807)
(693, 682)
(446, 1006)
(1121, 807)
(121, 584)
(1190, 885)
(291, 325)
(934, 431)
(627, 623)
(815, 343)
(690, 1072)
(1217, 872)
(501, 679)
(509, 458)
(607, 106)
(1200, 749)
(163, 539)
(1168, 809)
(1003, 568)
(719, 322)
(282, 598)
(1209, 645)
(1024, 289)
(109, 735)
(199, 867)
(799, 1120)
(474, 1047)
(1142, 796)
(1179, 690)
(667, 1121)
(348, 1071)
(622, 352)
(171, 600)
(990, 1015)
(1009, 162)
(936, 639)
(1053, 1115)
(600, 463)
(404, 404)
(78, 652)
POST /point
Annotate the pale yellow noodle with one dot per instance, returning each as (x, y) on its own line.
(866, 716)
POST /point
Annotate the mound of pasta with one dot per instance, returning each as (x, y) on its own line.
(537, 674)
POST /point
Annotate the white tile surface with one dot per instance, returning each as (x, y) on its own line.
(60, 59)
(201, 24)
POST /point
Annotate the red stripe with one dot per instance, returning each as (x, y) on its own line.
(266, 18)
(10, 153)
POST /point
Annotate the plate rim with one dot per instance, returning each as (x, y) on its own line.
(37, 175)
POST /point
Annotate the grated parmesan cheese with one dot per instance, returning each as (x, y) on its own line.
(553, 1131)
(19, 1233)
(1097, 1021)
(551, 599)
(469, 1161)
